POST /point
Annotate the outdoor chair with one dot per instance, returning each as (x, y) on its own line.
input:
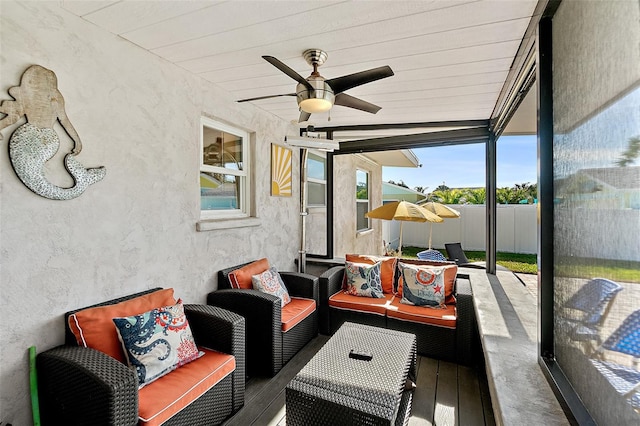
(625, 340)
(456, 254)
(80, 384)
(274, 333)
(594, 301)
(431, 254)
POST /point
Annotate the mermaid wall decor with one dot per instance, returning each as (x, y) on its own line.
(35, 142)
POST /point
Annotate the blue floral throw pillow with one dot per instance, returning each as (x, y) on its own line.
(364, 280)
(270, 282)
(157, 342)
(422, 286)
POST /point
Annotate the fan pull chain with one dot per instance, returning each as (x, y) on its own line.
(329, 118)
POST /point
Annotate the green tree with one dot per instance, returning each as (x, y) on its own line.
(533, 191)
(442, 187)
(362, 193)
(422, 189)
(631, 154)
(475, 196)
(505, 196)
(399, 183)
(524, 191)
(520, 192)
(448, 196)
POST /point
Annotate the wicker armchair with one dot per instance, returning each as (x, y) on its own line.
(269, 348)
(83, 386)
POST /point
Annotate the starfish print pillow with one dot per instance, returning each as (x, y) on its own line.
(422, 286)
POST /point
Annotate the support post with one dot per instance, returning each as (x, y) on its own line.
(302, 253)
(491, 204)
(330, 203)
(545, 190)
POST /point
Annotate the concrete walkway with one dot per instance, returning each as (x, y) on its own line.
(530, 281)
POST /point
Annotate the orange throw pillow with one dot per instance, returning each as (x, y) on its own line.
(93, 327)
(387, 268)
(241, 278)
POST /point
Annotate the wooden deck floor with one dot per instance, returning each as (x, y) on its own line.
(446, 394)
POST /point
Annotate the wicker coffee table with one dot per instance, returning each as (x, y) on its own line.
(335, 389)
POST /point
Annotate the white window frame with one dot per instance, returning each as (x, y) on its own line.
(243, 175)
(367, 201)
(322, 182)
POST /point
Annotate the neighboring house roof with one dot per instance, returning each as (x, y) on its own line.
(600, 179)
(397, 158)
(396, 192)
(615, 177)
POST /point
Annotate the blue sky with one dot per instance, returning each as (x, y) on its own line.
(464, 165)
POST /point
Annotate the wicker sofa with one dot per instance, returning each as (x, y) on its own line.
(456, 340)
(270, 342)
(83, 386)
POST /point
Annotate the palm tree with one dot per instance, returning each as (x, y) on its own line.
(505, 196)
(442, 187)
(399, 183)
(475, 196)
(632, 152)
(448, 196)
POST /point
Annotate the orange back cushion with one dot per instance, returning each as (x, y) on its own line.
(387, 268)
(450, 273)
(241, 278)
(94, 328)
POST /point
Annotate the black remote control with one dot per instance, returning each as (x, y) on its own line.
(361, 355)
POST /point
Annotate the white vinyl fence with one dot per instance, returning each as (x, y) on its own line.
(516, 233)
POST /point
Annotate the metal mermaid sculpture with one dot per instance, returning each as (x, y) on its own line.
(35, 142)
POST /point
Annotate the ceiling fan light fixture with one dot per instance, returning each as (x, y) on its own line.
(320, 99)
(315, 105)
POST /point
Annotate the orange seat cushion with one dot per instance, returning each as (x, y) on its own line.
(295, 311)
(94, 328)
(342, 300)
(163, 398)
(423, 314)
(241, 278)
(387, 268)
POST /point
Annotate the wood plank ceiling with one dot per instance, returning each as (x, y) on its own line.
(450, 57)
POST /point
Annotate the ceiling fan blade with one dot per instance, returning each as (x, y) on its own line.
(265, 97)
(288, 71)
(346, 82)
(304, 116)
(353, 102)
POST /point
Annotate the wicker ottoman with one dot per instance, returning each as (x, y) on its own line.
(334, 388)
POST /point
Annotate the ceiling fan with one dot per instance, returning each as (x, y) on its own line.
(317, 94)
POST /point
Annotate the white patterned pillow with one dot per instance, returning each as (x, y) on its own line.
(270, 282)
(422, 286)
(157, 342)
(363, 279)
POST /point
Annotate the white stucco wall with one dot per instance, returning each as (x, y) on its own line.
(138, 116)
(347, 240)
(316, 230)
